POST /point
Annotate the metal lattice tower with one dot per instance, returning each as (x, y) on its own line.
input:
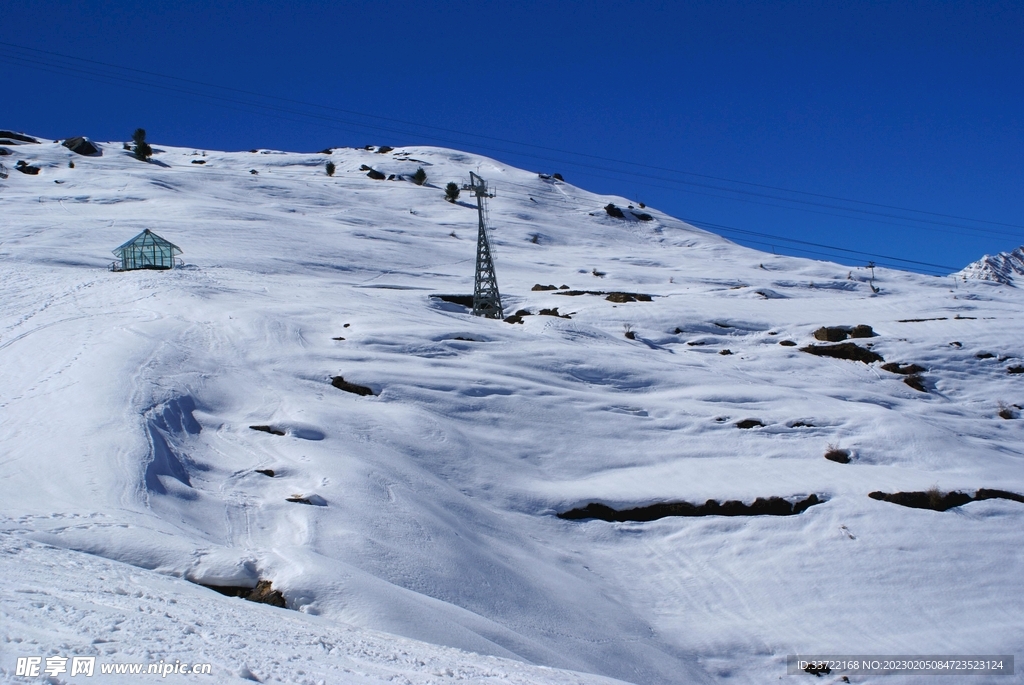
(486, 299)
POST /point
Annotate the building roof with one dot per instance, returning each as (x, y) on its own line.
(145, 239)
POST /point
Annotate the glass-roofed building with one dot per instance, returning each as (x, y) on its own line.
(147, 250)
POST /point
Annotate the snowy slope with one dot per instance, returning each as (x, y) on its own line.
(1005, 268)
(126, 401)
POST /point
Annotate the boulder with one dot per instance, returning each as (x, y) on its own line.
(82, 146)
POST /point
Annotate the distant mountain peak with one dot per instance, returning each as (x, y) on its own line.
(1006, 268)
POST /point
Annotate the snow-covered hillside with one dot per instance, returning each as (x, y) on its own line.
(1005, 268)
(129, 471)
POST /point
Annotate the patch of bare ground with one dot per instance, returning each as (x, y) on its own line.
(263, 593)
(341, 384)
(936, 500)
(849, 351)
(618, 297)
(268, 429)
(762, 506)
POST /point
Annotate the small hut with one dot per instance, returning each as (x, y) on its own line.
(147, 250)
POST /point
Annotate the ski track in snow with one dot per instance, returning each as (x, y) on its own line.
(128, 462)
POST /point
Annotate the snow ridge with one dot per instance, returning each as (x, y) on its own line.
(1005, 268)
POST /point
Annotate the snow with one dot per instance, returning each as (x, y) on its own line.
(128, 461)
(1005, 268)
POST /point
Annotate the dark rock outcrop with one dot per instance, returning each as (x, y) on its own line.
(82, 146)
(762, 506)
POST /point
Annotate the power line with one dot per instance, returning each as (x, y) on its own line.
(334, 120)
(278, 112)
(523, 144)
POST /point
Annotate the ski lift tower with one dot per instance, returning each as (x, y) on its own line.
(486, 299)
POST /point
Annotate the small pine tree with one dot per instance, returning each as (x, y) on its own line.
(330, 168)
(142, 149)
(420, 177)
(451, 191)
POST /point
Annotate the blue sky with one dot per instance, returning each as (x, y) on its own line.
(714, 112)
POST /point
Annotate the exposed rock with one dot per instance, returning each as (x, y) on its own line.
(762, 506)
(839, 456)
(749, 423)
(906, 370)
(25, 168)
(614, 211)
(1006, 268)
(618, 297)
(840, 333)
(341, 384)
(787, 343)
(12, 138)
(312, 500)
(375, 175)
(848, 351)
(82, 146)
(830, 334)
(263, 593)
(267, 429)
(464, 300)
(538, 286)
(266, 472)
(936, 500)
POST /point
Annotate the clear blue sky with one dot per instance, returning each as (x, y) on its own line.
(901, 104)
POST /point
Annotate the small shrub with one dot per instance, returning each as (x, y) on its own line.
(630, 333)
(329, 167)
(141, 148)
(451, 191)
(420, 177)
